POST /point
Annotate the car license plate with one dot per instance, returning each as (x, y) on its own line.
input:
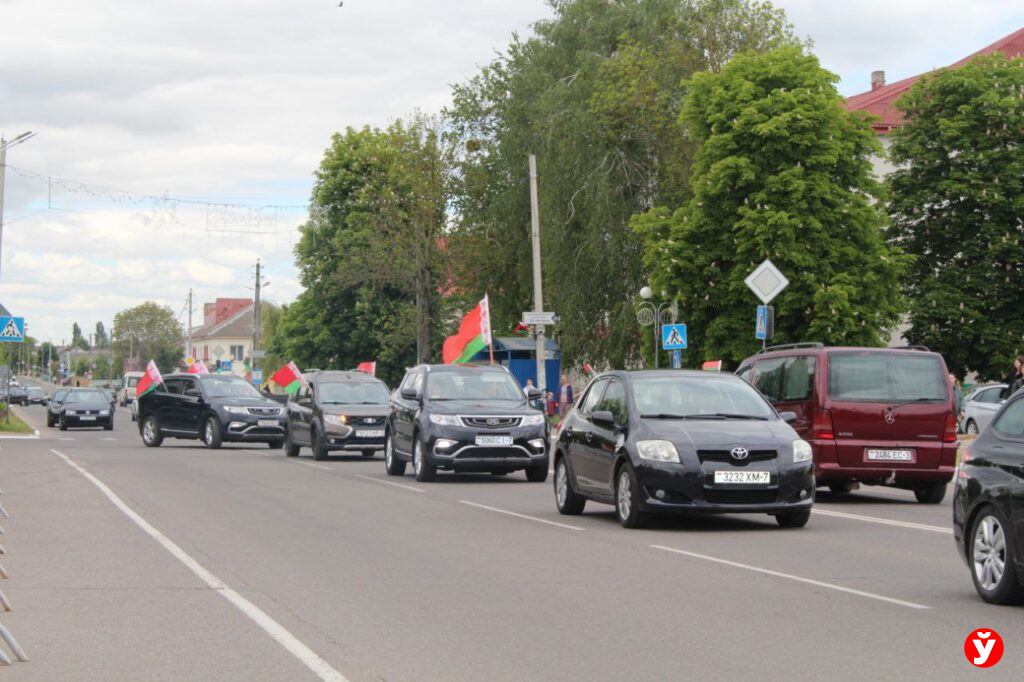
(494, 440)
(86, 419)
(740, 477)
(373, 433)
(268, 422)
(891, 455)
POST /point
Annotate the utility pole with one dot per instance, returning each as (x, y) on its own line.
(538, 296)
(4, 144)
(256, 328)
(188, 343)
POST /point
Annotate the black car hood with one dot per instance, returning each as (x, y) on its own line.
(507, 407)
(355, 410)
(719, 434)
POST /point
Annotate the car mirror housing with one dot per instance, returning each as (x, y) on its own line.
(410, 394)
(535, 394)
(603, 417)
(789, 417)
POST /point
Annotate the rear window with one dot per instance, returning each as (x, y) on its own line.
(785, 379)
(886, 377)
(133, 381)
(1011, 421)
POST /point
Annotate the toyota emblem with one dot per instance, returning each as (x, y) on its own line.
(890, 418)
(739, 453)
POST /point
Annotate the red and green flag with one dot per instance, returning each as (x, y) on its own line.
(288, 377)
(368, 367)
(473, 336)
(712, 366)
(150, 380)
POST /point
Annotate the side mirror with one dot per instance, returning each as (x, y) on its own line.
(789, 417)
(409, 394)
(535, 394)
(603, 418)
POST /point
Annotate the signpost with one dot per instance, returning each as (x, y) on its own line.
(677, 359)
(538, 319)
(761, 329)
(767, 282)
(12, 329)
(673, 336)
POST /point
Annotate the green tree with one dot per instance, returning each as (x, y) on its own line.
(148, 332)
(596, 95)
(783, 172)
(77, 340)
(957, 205)
(101, 336)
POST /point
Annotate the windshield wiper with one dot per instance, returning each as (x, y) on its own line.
(729, 415)
(664, 415)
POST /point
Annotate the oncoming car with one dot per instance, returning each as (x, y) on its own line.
(680, 441)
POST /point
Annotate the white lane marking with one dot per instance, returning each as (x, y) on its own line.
(65, 439)
(521, 516)
(796, 578)
(397, 485)
(886, 522)
(293, 645)
(318, 466)
(109, 439)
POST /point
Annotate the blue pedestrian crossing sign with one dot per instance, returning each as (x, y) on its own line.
(12, 329)
(673, 336)
(761, 331)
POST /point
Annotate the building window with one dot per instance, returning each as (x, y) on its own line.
(206, 353)
(238, 353)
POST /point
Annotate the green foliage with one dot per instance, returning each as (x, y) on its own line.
(782, 172)
(596, 95)
(100, 340)
(958, 206)
(148, 332)
(77, 339)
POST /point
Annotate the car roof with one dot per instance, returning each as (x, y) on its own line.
(463, 365)
(330, 376)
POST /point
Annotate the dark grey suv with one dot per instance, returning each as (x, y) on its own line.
(335, 411)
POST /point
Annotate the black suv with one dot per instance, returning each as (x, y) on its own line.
(464, 418)
(337, 411)
(211, 407)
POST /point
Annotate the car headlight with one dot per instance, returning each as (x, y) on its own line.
(104, 413)
(533, 420)
(70, 412)
(802, 451)
(444, 420)
(336, 419)
(657, 450)
(230, 409)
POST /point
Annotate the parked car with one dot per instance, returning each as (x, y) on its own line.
(464, 418)
(878, 416)
(111, 398)
(53, 405)
(988, 506)
(18, 395)
(128, 384)
(36, 396)
(85, 407)
(980, 405)
(214, 408)
(337, 411)
(674, 441)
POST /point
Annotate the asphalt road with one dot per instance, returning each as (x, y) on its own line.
(249, 565)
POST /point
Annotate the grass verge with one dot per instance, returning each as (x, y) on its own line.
(16, 425)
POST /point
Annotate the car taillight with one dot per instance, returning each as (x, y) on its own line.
(950, 434)
(821, 427)
(965, 454)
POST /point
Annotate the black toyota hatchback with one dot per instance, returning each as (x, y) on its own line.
(988, 506)
(681, 441)
(464, 418)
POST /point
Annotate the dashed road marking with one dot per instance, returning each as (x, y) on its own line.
(318, 466)
(521, 516)
(885, 522)
(386, 482)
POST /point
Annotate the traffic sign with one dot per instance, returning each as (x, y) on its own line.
(677, 359)
(226, 365)
(673, 336)
(259, 354)
(766, 281)
(761, 330)
(257, 375)
(12, 329)
(531, 318)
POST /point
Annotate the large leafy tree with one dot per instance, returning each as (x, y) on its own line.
(782, 172)
(958, 206)
(148, 332)
(596, 95)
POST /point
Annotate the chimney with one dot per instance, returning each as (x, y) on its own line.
(877, 80)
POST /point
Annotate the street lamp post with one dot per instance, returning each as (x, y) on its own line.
(3, 176)
(651, 314)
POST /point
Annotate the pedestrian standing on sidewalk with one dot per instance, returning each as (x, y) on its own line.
(565, 397)
(958, 400)
(1015, 379)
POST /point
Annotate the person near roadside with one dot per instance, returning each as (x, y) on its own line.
(551, 405)
(1015, 379)
(958, 400)
(565, 397)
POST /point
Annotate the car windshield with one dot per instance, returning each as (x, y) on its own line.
(353, 393)
(228, 387)
(36, 391)
(469, 384)
(60, 393)
(132, 381)
(886, 378)
(698, 397)
(86, 398)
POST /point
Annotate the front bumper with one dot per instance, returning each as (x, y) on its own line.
(87, 420)
(247, 427)
(455, 448)
(347, 437)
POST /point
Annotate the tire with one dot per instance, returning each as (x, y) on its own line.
(931, 493)
(151, 436)
(424, 470)
(794, 519)
(393, 465)
(566, 500)
(109, 426)
(972, 427)
(990, 555)
(63, 424)
(537, 474)
(627, 498)
(275, 444)
(290, 448)
(319, 451)
(49, 420)
(841, 488)
(212, 436)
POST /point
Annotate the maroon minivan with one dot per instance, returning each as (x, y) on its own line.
(878, 416)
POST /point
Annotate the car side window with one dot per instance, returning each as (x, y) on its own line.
(614, 401)
(174, 386)
(189, 388)
(1011, 422)
(768, 377)
(417, 383)
(798, 378)
(992, 395)
(592, 398)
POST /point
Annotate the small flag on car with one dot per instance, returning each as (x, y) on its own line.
(712, 366)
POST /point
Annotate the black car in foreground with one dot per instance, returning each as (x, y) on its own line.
(988, 506)
(338, 411)
(53, 405)
(464, 418)
(214, 408)
(681, 441)
(85, 407)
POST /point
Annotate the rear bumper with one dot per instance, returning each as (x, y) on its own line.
(893, 475)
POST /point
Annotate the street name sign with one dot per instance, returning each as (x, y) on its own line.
(766, 281)
(542, 318)
(12, 329)
(673, 336)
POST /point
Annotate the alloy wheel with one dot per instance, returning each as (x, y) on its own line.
(972, 428)
(149, 430)
(989, 553)
(625, 495)
(417, 458)
(561, 484)
(208, 432)
(387, 453)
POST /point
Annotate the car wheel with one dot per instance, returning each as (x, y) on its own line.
(627, 499)
(109, 426)
(990, 551)
(290, 448)
(931, 493)
(972, 427)
(212, 436)
(393, 465)
(275, 444)
(316, 445)
(841, 488)
(794, 519)
(537, 474)
(63, 424)
(424, 470)
(151, 436)
(49, 420)
(566, 499)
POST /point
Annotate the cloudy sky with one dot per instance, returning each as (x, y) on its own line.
(176, 140)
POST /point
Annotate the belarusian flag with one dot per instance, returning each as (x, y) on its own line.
(368, 367)
(288, 377)
(198, 367)
(473, 336)
(150, 380)
(712, 366)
